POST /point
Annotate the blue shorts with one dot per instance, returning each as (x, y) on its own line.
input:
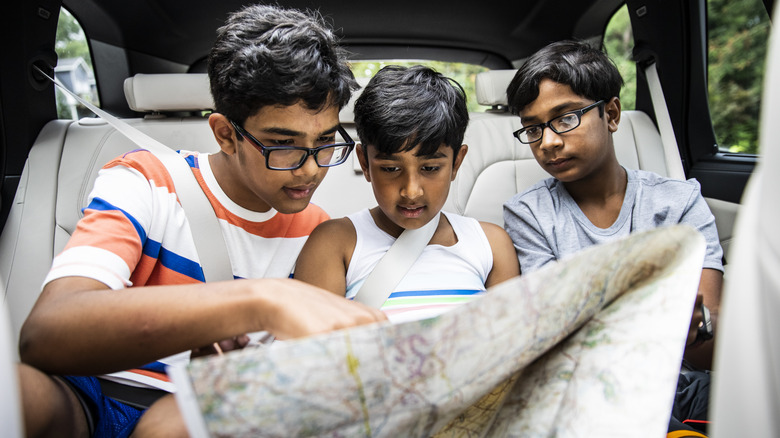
(106, 417)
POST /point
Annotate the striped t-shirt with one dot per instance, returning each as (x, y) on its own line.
(135, 233)
(441, 278)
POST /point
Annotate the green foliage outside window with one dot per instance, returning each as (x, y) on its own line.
(738, 31)
(738, 34)
(71, 44)
(618, 44)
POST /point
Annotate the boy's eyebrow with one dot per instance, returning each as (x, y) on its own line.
(385, 156)
(437, 154)
(293, 133)
(390, 157)
(560, 108)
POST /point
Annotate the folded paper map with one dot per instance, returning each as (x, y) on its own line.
(588, 346)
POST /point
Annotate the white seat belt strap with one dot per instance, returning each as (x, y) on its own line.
(671, 151)
(206, 232)
(394, 265)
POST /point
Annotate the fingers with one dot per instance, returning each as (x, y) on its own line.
(304, 310)
(234, 343)
(223, 346)
(376, 314)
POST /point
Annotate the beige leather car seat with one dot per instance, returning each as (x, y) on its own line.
(746, 379)
(62, 166)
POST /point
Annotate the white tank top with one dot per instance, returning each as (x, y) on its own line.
(441, 278)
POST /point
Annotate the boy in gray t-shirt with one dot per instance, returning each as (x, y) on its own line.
(572, 89)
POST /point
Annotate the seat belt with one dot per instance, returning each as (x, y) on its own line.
(206, 232)
(669, 141)
(394, 265)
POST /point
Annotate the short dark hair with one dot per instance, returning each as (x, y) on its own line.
(588, 71)
(268, 55)
(402, 107)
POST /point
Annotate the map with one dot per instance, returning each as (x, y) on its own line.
(588, 346)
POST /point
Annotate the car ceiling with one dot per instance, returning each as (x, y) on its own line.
(182, 31)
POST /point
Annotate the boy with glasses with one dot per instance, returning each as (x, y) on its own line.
(566, 95)
(411, 122)
(128, 288)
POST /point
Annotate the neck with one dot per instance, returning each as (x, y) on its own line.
(231, 184)
(601, 186)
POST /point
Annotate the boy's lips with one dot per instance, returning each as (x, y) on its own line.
(299, 192)
(558, 162)
(411, 212)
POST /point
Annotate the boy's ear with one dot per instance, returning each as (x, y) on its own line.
(223, 133)
(613, 110)
(459, 160)
(363, 160)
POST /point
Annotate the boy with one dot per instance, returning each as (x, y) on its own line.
(411, 122)
(134, 233)
(572, 89)
(567, 97)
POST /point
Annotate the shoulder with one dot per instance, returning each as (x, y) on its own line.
(139, 159)
(141, 163)
(544, 189)
(494, 232)
(333, 238)
(334, 230)
(658, 190)
(654, 181)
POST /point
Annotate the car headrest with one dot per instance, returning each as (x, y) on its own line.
(491, 87)
(168, 92)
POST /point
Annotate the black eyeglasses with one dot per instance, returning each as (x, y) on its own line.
(293, 157)
(559, 125)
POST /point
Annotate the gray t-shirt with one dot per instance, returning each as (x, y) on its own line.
(546, 224)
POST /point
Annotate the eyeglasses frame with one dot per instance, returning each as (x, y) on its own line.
(265, 151)
(579, 113)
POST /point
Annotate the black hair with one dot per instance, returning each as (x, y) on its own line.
(402, 107)
(268, 55)
(588, 71)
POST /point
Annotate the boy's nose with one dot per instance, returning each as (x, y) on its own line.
(550, 140)
(411, 188)
(309, 167)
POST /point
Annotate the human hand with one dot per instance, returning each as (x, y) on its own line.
(234, 343)
(297, 309)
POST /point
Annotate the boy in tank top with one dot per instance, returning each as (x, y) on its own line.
(411, 122)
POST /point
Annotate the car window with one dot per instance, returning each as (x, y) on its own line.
(737, 33)
(74, 68)
(618, 44)
(463, 73)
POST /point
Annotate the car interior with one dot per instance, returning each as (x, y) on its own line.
(149, 70)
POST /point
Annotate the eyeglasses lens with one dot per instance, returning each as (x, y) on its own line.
(332, 152)
(566, 123)
(285, 159)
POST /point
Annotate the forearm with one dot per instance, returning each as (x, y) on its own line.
(81, 330)
(97, 331)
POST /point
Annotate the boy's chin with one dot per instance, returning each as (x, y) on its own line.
(292, 206)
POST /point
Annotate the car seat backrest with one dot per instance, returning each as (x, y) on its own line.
(497, 166)
(63, 164)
